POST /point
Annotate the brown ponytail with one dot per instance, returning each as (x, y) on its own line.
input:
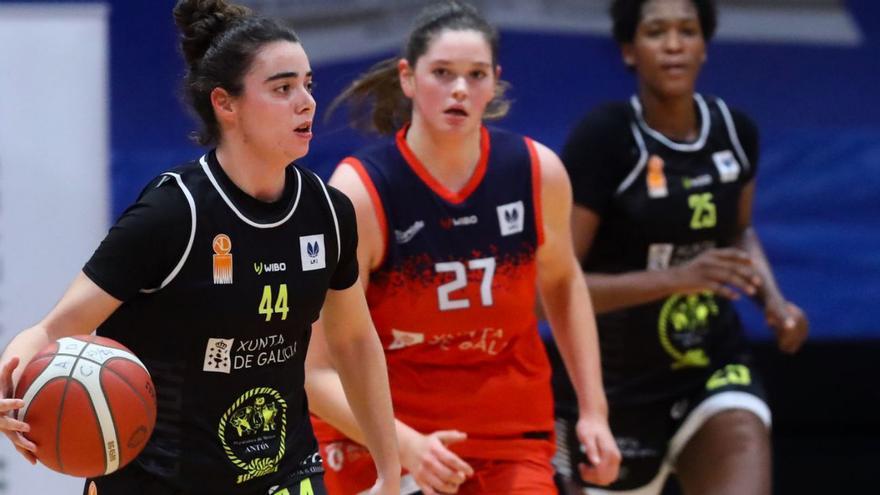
(375, 101)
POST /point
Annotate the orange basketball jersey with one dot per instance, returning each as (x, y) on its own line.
(453, 300)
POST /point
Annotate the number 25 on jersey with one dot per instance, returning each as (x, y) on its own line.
(705, 216)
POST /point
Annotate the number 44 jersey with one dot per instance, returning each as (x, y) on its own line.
(453, 299)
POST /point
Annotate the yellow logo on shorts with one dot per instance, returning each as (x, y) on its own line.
(732, 374)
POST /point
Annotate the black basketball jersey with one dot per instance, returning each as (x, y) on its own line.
(661, 203)
(225, 333)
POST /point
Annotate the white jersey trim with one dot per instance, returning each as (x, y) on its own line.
(696, 145)
(335, 220)
(643, 159)
(192, 235)
(204, 162)
(734, 137)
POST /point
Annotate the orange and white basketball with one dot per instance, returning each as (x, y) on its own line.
(90, 404)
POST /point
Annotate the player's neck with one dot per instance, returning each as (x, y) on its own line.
(449, 158)
(675, 117)
(258, 176)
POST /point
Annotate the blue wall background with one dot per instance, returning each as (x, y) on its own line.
(817, 205)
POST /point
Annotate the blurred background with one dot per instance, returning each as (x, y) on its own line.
(90, 110)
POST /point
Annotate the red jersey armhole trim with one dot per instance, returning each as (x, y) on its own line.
(358, 167)
(453, 197)
(536, 189)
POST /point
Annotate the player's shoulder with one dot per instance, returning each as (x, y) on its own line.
(741, 120)
(605, 130)
(745, 126)
(608, 117)
(606, 124)
(340, 199)
(499, 135)
(166, 190)
(181, 172)
(322, 189)
(378, 153)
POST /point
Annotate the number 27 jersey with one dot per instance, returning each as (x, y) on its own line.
(454, 295)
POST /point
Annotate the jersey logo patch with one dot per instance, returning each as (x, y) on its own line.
(448, 223)
(311, 249)
(728, 167)
(261, 268)
(656, 179)
(217, 355)
(698, 181)
(511, 218)
(222, 246)
(404, 236)
(405, 339)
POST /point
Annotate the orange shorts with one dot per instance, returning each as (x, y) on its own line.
(349, 470)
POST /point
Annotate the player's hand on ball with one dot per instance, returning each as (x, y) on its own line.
(11, 427)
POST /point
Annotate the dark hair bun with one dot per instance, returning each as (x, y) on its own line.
(200, 21)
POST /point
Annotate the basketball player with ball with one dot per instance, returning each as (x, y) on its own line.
(211, 282)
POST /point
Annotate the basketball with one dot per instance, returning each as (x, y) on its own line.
(90, 404)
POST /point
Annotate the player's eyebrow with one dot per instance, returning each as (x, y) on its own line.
(285, 75)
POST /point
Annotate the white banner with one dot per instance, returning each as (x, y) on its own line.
(54, 187)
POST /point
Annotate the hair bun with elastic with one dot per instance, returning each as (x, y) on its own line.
(201, 21)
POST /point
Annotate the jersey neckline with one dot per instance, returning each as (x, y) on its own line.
(231, 194)
(454, 197)
(669, 143)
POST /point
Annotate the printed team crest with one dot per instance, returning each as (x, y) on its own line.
(218, 355)
(685, 320)
(222, 246)
(511, 218)
(656, 179)
(728, 167)
(253, 432)
(311, 248)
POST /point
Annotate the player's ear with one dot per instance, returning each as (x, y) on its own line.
(223, 103)
(405, 73)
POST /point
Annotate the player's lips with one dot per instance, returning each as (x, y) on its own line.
(304, 130)
(675, 67)
(456, 110)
